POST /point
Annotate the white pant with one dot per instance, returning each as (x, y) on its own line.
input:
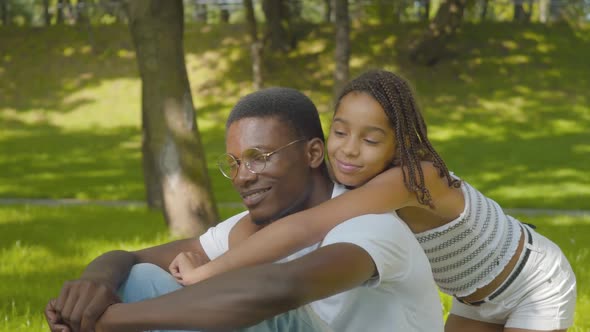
(542, 297)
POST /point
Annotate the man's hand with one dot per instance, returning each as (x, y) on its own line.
(79, 305)
(53, 319)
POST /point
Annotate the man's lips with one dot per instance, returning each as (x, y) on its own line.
(345, 167)
(253, 196)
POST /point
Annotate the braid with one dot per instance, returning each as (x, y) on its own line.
(397, 100)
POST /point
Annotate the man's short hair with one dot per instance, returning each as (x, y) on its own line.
(292, 107)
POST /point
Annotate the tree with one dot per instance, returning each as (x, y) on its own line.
(46, 14)
(556, 12)
(484, 9)
(328, 11)
(223, 14)
(82, 12)
(175, 171)
(399, 7)
(4, 12)
(425, 10)
(432, 45)
(200, 12)
(342, 49)
(256, 45)
(59, 12)
(276, 13)
(520, 14)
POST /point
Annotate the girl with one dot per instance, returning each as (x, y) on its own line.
(502, 274)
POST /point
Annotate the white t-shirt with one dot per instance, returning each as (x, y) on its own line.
(403, 297)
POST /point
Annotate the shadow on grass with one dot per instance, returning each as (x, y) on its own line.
(42, 160)
(510, 107)
(44, 246)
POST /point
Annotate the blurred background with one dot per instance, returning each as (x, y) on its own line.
(112, 114)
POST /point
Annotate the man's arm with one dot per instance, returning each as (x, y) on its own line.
(247, 296)
(82, 301)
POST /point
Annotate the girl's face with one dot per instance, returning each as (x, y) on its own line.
(361, 143)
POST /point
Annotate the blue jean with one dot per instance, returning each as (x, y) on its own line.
(147, 281)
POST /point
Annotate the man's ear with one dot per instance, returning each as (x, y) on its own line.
(316, 150)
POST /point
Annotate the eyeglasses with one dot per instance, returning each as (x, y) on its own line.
(254, 160)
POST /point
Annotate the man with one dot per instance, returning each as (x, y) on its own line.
(368, 273)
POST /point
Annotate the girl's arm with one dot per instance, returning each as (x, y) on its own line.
(384, 193)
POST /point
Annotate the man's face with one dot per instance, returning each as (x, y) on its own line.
(284, 186)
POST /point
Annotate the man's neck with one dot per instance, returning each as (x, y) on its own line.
(322, 190)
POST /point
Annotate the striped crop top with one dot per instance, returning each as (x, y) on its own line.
(470, 251)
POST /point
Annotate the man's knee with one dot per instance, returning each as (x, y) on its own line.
(146, 281)
(145, 272)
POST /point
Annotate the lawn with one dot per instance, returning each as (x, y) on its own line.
(41, 247)
(508, 111)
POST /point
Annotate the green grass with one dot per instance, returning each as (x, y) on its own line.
(41, 247)
(508, 111)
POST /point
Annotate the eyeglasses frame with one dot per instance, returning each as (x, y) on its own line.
(265, 155)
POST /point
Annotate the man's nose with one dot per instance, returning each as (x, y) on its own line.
(243, 175)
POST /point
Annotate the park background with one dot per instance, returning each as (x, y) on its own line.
(507, 105)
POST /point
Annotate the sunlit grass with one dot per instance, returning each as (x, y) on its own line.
(40, 247)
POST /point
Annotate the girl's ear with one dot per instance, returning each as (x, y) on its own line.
(316, 150)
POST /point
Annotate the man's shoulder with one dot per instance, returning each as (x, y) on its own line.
(215, 240)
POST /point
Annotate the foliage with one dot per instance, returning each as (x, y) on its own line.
(104, 12)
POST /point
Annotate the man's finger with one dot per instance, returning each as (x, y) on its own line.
(61, 328)
(93, 311)
(63, 296)
(75, 316)
(50, 313)
(53, 319)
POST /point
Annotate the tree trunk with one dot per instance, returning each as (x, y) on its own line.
(484, 9)
(175, 170)
(543, 10)
(256, 46)
(201, 14)
(328, 11)
(59, 12)
(520, 14)
(294, 10)
(555, 10)
(4, 12)
(382, 10)
(224, 15)
(46, 14)
(342, 49)
(432, 45)
(275, 14)
(426, 13)
(82, 12)
(398, 8)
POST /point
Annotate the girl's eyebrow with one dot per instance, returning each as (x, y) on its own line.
(366, 128)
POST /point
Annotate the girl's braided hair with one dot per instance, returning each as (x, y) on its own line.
(397, 100)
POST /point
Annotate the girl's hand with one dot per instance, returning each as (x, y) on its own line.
(183, 263)
(192, 276)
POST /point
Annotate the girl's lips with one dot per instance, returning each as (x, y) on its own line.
(346, 167)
